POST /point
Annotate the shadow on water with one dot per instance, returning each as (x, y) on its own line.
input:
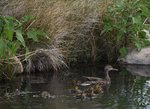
(130, 89)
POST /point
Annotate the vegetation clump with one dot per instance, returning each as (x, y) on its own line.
(13, 38)
(126, 21)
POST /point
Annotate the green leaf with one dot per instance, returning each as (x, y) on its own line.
(27, 53)
(142, 35)
(146, 42)
(120, 33)
(119, 3)
(15, 45)
(20, 37)
(10, 18)
(8, 33)
(145, 11)
(26, 18)
(123, 52)
(10, 24)
(137, 19)
(3, 47)
(41, 33)
(138, 44)
(106, 28)
(32, 34)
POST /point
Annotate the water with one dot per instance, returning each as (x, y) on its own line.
(129, 89)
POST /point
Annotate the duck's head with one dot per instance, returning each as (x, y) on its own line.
(109, 68)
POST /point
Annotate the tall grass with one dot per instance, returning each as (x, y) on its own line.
(70, 24)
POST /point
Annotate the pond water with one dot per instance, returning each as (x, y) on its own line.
(128, 90)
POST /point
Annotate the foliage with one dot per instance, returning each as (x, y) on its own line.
(13, 36)
(128, 18)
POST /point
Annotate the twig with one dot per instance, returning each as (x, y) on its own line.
(30, 25)
(145, 20)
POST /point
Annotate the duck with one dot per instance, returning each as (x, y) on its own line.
(17, 92)
(96, 86)
(90, 94)
(97, 80)
(80, 96)
(89, 89)
(45, 94)
(75, 89)
(98, 90)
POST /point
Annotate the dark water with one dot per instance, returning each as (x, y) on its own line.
(130, 89)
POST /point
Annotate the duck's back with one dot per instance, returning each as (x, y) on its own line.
(93, 78)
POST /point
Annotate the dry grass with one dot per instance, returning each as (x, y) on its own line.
(69, 23)
(45, 60)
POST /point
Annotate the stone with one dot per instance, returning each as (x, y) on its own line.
(14, 66)
(137, 57)
(18, 67)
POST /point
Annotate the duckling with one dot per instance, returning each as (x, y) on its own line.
(89, 90)
(80, 96)
(98, 90)
(17, 92)
(96, 86)
(45, 94)
(90, 94)
(76, 82)
(75, 89)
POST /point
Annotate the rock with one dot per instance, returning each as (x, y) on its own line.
(137, 57)
(14, 66)
(18, 67)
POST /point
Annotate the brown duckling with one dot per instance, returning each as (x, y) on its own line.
(80, 96)
(75, 89)
(96, 80)
(76, 82)
(96, 86)
(90, 94)
(98, 90)
(45, 94)
(89, 90)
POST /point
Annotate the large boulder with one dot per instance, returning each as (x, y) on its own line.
(137, 57)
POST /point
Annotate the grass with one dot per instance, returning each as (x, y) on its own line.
(70, 24)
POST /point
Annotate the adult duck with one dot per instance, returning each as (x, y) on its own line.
(96, 80)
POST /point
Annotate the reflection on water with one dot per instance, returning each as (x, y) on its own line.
(126, 91)
(138, 69)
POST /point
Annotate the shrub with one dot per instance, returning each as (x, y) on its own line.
(12, 35)
(126, 19)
